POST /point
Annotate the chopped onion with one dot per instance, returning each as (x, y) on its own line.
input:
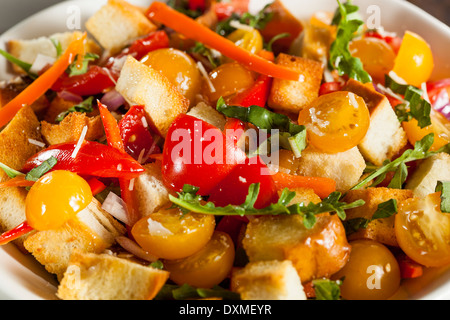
(113, 100)
(115, 206)
(69, 96)
(445, 110)
(41, 62)
(133, 248)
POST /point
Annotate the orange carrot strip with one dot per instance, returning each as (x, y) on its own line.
(18, 181)
(43, 83)
(111, 128)
(191, 29)
(323, 187)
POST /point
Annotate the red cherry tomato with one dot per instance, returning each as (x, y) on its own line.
(224, 10)
(329, 87)
(197, 153)
(394, 42)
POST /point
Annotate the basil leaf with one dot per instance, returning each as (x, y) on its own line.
(74, 70)
(201, 49)
(326, 289)
(444, 188)
(399, 177)
(275, 39)
(415, 107)
(341, 58)
(85, 106)
(9, 171)
(36, 173)
(25, 66)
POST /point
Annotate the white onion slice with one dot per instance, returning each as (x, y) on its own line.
(41, 62)
(116, 207)
(133, 248)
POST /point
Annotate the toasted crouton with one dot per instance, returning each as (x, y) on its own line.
(71, 127)
(268, 280)
(386, 136)
(145, 86)
(346, 168)
(423, 181)
(12, 211)
(117, 24)
(19, 140)
(93, 232)
(9, 90)
(303, 195)
(208, 114)
(293, 96)
(151, 193)
(381, 230)
(106, 277)
(28, 50)
(286, 238)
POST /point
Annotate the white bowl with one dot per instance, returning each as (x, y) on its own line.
(22, 278)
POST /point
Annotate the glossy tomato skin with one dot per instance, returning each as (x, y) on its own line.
(197, 153)
(234, 188)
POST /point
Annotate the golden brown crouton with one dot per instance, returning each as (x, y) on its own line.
(106, 277)
(381, 230)
(293, 96)
(143, 85)
(346, 168)
(12, 210)
(315, 253)
(303, 195)
(424, 179)
(11, 89)
(268, 280)
(386, 136)
(28, 50)
(93, 232)
(117, 24)
(207, 113)
(19, 139)
(71, 127)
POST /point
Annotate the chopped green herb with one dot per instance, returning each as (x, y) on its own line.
(25, 66)
(275, 39)
(36, 173)
(183, 7)
(158, 264)
(414, 106)
(326, 289)
(58, 47)
(85, 106)
(201, 49)
(192, 202)
(341, 58)
(9, 171)
(74, 70)
(444, 188)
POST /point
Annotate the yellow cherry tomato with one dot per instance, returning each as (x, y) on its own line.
(170, 234)
(414, 62)
(55, 198)
(423, 230)
(179, 68)
(251, 41)
(372, 272)
(227, 80)
(440, 126)
(206, 268)
(376, 55)
(336, 122)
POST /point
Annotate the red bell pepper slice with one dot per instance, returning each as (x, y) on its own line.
(409, 269)
(95, 81)
(96, 185)
(329, 87)
(257, 95)
(93, 159)
(111, 130)
(21, 230)
(224, 10)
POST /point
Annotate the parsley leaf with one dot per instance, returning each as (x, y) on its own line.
(326, 289)
(36, 173)
(341, 58)
(291, 136)
(420, 151)
(85, 106)
(25, 66)
(414, 107)
(444, 188)
(189, 201)
(74, 70)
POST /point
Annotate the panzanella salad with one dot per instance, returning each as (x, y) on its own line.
(194, 149)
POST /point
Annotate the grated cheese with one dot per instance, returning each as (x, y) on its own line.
(144, 122)
(237, 25)
(36, 143)
(131, 185)
(80, 142)
(206, 76)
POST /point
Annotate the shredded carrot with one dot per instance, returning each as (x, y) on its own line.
(181, 23)
(323, 187)
(18, 181)
(40, 86)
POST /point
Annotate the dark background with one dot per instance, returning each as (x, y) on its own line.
(13, 11)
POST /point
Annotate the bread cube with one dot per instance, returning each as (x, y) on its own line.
(151, 193)
(303, 195)
(28, 50)
(424, 179)
(315, 253)
(346, 168)
(106, 277)
(268, 280)
(208, 114)
(293, 96)
(12, 211)
(117, 24)
(11, 89)
(19, 140)
(143, 85)
(385, 137)
(381, 230)
(93, 232)
(70, 129)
